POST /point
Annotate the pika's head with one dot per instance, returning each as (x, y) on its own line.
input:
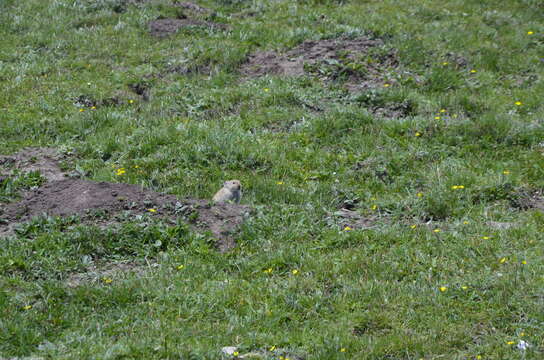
(232, 184)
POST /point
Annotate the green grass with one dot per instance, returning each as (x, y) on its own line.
(375, 293)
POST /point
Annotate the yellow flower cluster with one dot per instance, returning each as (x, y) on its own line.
(457, 187)
(120, 171)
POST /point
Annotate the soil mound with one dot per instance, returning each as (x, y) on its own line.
(164, 27)
(354, 59)
(104, 203)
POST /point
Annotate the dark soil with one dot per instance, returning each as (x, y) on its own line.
(93, 201)
(329, 59)
(164, 27)
(141, 89)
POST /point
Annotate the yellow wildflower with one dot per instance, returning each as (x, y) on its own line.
(81, 110)
(443, 288)
(343, 350)
(518, 103)
(347, 228)
(436, 230)
(464, 287)
(374, 207)
(107, 280)
(523, 262)
(522, 334)
(413, 226)
(510, 342)
(266, 89)
(442, 110)
(279, 183)
(419, 194)
(131, 101)
(152, 210)
(236, 353)
(445, 63)
(418, 133)
(502, 260)
(386, 85)
(272, 348)
(478, 357)
(180, 267)
(485, 237)
(465, 222)
(473, 71)
(294, 272)
(268, 271)
(437, 117)
(530, 32)
(506, 172)
(93, 107)
(120, 171)
(27, 307)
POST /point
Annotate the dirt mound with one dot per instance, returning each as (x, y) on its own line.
(89, 199)
(104, 203)
(362, 61)
(164, 27)
(43, 160)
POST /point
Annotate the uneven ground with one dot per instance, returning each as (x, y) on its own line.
(391, 153)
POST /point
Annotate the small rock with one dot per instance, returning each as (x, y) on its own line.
(523, 345)
(229, 350)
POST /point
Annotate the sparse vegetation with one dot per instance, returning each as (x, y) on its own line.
(397, 187)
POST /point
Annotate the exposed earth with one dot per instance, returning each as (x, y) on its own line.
(362, 62)
(65, 196)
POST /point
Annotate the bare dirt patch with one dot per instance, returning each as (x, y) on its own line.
(348, 219)
(361, 62)
(164, 27)
(106, 273)
(42, 160)
(90, 102)
(96, 201)
(194, 8)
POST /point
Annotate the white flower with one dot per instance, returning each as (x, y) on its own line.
(523, 345)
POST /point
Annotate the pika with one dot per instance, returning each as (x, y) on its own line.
(231, 191)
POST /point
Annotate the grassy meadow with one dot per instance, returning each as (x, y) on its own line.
(452, 266)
